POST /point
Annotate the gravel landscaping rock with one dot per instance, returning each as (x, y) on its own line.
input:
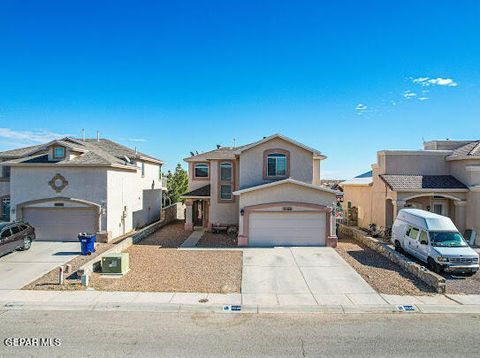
(218, 240)
(49, 281)
(169, 270)
(170, 236)
(382, 274)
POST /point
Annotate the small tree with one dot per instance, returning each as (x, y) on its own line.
(177, 183)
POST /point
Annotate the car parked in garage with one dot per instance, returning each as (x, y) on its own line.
(15, 236)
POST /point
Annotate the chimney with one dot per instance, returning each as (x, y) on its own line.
(83, 134)
(98, 136)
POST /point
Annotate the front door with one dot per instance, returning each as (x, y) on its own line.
(198, 213)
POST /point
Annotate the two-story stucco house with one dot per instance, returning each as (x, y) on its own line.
(443, 178)
(72, 185)
(270, 189)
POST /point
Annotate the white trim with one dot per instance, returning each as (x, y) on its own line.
(317, 154)
(431, 190)
(472, 168)
(284, 181)
(432, 194)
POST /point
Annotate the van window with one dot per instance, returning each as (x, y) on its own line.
(423, 238)
(413, 233)
(15, 229)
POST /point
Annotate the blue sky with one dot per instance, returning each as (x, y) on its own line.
(346, 77)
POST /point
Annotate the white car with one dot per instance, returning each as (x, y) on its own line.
(435, 240)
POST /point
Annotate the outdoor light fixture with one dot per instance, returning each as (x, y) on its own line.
(242, 212)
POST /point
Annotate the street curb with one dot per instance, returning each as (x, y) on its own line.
(247, 309)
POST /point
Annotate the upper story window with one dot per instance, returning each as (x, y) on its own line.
(6, 172)
(226, 171)
(143, 169)
(200, 171)
(225, 184)
(58, 152)
(276, 165)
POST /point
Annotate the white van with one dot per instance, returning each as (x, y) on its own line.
(433, 239)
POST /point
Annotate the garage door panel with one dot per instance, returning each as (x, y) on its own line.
(60, 224)
(288, 229)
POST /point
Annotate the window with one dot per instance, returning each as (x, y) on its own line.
(159, 172)
(414, 233)
(226, 192)
(226, 171)
(225, 181)
(143, 169)
(15, 229)
(59, 152)
(423, 238)
(276, 165)
(201, 170)
(438, 209)
(5, 172)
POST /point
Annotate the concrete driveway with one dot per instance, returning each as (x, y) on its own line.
(22, 267)
(302, 275)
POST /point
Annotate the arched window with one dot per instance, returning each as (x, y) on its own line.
(201, 170)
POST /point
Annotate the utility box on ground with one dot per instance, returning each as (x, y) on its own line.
(115, 264)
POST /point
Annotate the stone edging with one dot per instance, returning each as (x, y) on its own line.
(430, 278)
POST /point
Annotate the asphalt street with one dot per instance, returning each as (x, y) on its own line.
(149, 334)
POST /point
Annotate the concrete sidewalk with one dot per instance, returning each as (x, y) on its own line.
(204, 302)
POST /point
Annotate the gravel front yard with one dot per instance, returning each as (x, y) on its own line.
(170, 270)
(382, 274)
(217, 240)
(169, 236)
(49, 281)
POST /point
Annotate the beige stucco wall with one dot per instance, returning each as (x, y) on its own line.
(413, 162)
(251, 163)
(361, 197)
(461, 169)
(285, 192)
(221, 212)
(316, 171)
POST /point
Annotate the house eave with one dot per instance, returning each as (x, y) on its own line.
(284, 181)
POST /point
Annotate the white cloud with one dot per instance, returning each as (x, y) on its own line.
(361, 107)
(23, 137)
(422, 98)
(409, 94)
(439, 81)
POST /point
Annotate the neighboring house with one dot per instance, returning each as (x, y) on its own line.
(270, 189)
(71, 185)
(443, 178)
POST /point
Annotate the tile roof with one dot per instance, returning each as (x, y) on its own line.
(470, 150)
(417, 182)
(202, 191)
(19, 152)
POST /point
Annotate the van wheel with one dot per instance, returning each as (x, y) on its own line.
(398, 247)
(433, 266)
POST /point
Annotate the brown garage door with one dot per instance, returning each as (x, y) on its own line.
(60, 224)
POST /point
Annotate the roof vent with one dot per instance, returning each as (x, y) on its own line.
(219, 146)
(127, 159)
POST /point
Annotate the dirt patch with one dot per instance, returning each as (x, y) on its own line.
(49, 281)
(169, 236)
(169, 270)
(381, 273)
(218, 240)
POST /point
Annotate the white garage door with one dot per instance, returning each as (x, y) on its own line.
(60, 224)
(287, 229)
